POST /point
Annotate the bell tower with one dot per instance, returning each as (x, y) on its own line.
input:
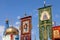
(26, 27)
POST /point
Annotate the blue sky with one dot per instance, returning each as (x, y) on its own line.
(12, 9)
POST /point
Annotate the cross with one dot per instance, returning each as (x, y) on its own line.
(25, 14)
(45, 24)
(45, 31)
(44, 3)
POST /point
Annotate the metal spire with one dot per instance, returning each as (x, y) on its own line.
(44, 3)
(25, 14)
(7, 23)
(6, 19)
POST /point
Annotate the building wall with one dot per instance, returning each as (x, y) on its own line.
(11, 37)
(6, 37)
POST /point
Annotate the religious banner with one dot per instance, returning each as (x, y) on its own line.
(56, 33)
(45, 22)
(26, 27)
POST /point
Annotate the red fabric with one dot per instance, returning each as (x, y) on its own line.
(11, 36)
(55, 28)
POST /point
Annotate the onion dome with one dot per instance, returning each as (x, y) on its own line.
(12, 30)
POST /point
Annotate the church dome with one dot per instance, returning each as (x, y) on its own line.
(12, 30)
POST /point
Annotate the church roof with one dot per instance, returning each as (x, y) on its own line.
(12, 30)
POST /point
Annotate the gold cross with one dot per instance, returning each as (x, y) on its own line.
(45, 24)
(45, 31)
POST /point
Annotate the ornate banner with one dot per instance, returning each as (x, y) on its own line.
(45, 22)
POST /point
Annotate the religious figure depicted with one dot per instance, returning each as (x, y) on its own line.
(25, 28)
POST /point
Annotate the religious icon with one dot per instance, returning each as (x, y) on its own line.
(25, 26)
(56, 33)
(45, 15)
